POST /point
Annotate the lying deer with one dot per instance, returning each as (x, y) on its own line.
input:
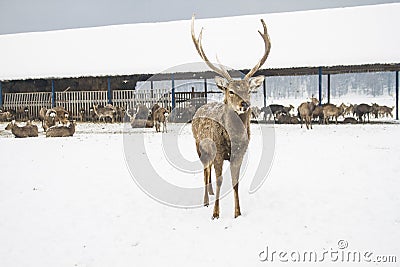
(29, 130)
(139, 117)
(61, 131)
(222, 130)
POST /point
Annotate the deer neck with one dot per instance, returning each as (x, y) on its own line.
(237, 125)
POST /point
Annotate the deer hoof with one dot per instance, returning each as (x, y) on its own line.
(215, 216)
(237, 214)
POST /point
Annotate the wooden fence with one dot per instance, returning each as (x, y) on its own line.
(184, 99)
(148, 97)
(74, 101)
(32, 101)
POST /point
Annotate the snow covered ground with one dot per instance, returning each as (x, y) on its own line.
(73, 202)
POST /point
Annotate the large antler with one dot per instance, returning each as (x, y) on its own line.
(197, 43)
(267, 42)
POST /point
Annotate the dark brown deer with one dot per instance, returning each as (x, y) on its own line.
(222, 130)
(362, 110)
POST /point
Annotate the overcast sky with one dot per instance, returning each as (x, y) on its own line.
(42, 15)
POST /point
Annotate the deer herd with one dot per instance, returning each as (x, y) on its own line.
(311, 111)
(221, 130)
(57, 122)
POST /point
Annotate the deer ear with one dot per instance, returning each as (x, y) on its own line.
(222, 83)
(256, 82)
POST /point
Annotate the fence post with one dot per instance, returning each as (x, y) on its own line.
(1, 95)
(173, 91)
(53, 94)
(109, 97)
(205, 90)
(320, 85)
(329, 88)
(265, 91)
(397, 95)
(151, 89)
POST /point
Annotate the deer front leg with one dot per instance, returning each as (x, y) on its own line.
(235, 170)
(218, 175)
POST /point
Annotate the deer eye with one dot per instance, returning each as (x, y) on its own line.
(231, 92)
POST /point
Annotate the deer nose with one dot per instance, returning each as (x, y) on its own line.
(245, 105)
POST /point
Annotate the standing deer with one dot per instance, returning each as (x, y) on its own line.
(222, 130)
(104, 112)
(305, 111)
(334, 111)
(160, 118)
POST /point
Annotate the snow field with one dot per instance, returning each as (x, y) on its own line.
(72, 202)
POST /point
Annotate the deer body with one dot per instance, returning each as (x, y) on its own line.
(104, 112)
(29, 130)
(160, 118)
(222, 130)
(332, 110)
(305, 112)
(61, 131)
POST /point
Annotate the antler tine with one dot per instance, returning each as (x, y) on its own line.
(223, 69)
(267, 43)
(199, 48)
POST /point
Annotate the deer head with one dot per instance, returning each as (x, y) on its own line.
(236, 92)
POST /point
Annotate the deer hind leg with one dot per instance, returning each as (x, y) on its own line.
(207, 184)
(306, 122)
(218, 174)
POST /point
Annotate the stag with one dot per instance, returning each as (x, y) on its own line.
(222, 130)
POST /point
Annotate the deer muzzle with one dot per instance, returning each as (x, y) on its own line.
(244, 106)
